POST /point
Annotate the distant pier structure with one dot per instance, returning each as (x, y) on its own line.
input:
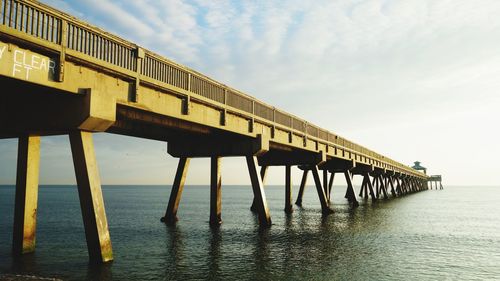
(432, 179)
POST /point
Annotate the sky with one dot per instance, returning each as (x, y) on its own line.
(413, 80)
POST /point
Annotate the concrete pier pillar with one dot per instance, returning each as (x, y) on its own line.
(351, 196)
(91, 200)
(303, 183)
(366, 180)
(215, 191)
(346, 195)
(263, 173)
(176, 193)
(391, 182)
(370, 186)
(330, 185)
(383, 187)
(363, 186)
(375, 185)
(321, 194)
(325, 183)
(288, 189)
(28, 166)
(258, 192)
(398, 187)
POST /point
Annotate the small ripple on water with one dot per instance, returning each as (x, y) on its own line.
(434, 235)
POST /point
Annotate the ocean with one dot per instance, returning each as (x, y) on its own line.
(450, 234)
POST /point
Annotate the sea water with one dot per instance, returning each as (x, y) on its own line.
(450, 234)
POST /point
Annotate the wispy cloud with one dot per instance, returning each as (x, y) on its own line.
(350, 66)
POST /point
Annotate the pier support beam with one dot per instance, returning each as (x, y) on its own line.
(288, 189)
(325, 184)
(263, 173)
(321, 194)
(399, 191)
(391, 182)
(303, 183)
(176, 193)
(330, 185)
(383, 186)
(369, 186)
(363, 188)
(91, 200)
(28, 164)
(215, 192)
(351, 196)
(258, 192)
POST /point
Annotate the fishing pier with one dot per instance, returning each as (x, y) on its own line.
(62, 76)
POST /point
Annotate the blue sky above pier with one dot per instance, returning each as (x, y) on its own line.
(413, 80)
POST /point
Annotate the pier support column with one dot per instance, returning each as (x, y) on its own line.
(370, 187)
(263, 173)
(383, 187)
(215, 191)
(375, 185)
(321, 194)
(351, 196)
(391, 182)
(176, 193)
(303, 183)
(399, 190)
(91, 200)
(28, 166)
(288, 189)
(325, 183)
(258, 192)
(330, 185)
(363, 187)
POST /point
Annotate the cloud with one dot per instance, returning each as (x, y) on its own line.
(344, 65)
